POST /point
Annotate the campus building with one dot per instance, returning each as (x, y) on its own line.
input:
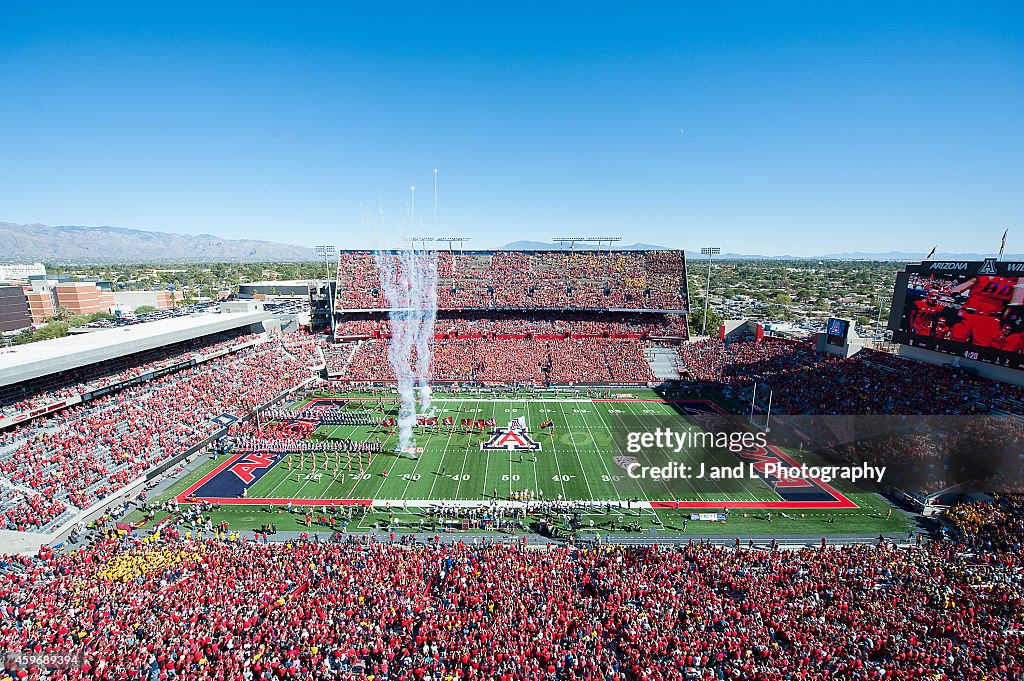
(41, 299)
(83, 297)
(13, 309)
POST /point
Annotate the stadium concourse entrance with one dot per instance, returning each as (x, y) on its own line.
(498, 454)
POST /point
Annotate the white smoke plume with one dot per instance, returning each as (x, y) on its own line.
(409, 278)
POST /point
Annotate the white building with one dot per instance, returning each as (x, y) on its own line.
(21, 272)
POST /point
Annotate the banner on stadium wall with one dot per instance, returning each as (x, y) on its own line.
(39, 411)
(713, 517)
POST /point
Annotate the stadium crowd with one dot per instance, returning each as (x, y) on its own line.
(505, 360)
(806, 382)
(992, 527)
(528, 324)
(922, 455)
(77, 456)
(35, 395)
(521, 279)
(177, 606)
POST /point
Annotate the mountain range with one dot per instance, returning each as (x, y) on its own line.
(102, 245)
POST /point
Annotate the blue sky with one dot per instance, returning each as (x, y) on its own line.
(807, 127)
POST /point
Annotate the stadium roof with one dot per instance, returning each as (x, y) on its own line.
(283, 282)
(34, 360)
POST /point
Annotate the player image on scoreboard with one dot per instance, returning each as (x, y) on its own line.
(976, 313)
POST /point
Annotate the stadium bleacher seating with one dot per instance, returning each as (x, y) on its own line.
(25, 397)
(86, 452)
(511, 360)
(528, 317)
(867, 383)
(177, 607)
(871, 384)
(531, 280)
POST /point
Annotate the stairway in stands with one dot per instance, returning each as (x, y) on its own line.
(664, 363)
(351, 353)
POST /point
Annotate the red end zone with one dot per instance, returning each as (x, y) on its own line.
(836, 501)
(189, 496)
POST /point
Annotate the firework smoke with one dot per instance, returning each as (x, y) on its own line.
(409, 278)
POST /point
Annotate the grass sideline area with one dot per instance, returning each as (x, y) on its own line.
(579, 458)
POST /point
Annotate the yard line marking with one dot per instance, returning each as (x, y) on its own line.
(420, 457)
(651, 463)
(398, 458)
(608, 427)
(465, 458)
(599, 454)
(583, 470)
(444, 456)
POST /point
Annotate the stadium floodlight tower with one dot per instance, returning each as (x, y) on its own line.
(709, 251)
(599, 240)
(571, 240)
(328, 252)
(450, 240)
(424, 240)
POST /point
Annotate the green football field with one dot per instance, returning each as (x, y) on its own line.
(583, 457)
(579, 458)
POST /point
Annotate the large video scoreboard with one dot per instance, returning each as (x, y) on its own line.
(836, 331)
(973, 310)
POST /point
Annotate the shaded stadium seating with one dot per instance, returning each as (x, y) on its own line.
(870, 382)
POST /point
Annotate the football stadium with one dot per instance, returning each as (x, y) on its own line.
(253, 430)
(564, 427)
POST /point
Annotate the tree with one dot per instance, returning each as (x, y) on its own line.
(51, 330)
(61, 314)
(22, 337)
(83, 319)
(143, 309)
(697, 318)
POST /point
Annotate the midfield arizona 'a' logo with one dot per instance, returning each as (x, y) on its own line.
(513, 439)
